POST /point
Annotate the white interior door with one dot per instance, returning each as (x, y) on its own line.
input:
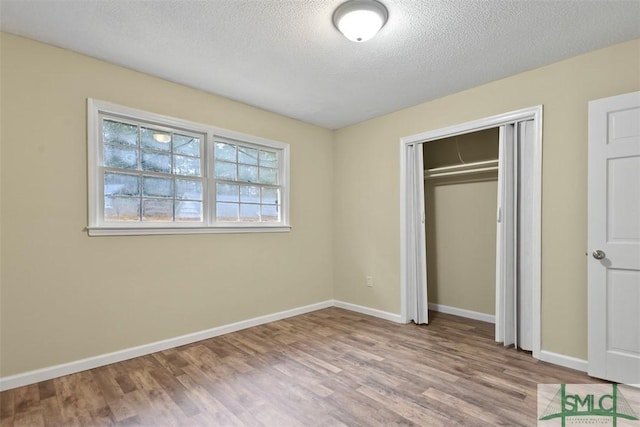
(614, 238)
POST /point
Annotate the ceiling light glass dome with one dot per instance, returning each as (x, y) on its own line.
(360, 20)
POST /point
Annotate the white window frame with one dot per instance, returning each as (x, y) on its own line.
(97, 226)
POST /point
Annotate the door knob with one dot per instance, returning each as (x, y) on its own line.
(598, 254)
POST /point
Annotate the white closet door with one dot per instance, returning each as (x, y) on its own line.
(506, 268)
(515, 244)
(525, 148)
(417, 309)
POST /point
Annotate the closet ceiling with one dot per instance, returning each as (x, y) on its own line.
(285, 55)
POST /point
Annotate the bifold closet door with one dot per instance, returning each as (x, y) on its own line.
(416, 249)
(514, 288)
(506, 238)
(526, 203)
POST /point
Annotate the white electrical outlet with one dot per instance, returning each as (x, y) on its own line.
(370, 281)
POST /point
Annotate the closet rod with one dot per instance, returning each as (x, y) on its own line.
(459, 172)
(483, 166)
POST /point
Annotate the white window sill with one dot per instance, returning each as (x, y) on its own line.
(143, 231)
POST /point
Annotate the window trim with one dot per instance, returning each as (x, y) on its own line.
(96, 227)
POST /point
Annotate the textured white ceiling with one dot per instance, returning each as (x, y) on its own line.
(286, 56)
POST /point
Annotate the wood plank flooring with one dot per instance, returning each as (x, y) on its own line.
(327, 368)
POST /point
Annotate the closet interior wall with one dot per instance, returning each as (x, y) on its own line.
(461, 223)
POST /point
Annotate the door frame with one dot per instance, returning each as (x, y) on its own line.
(531, 113)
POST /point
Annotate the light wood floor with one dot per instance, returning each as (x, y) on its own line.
(328, 368)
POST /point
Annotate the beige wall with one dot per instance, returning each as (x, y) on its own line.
(461, 224)
(366, 190)
(67, 296)
(470, 147)
(461, 244)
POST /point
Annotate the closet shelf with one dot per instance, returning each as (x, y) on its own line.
(463, 169)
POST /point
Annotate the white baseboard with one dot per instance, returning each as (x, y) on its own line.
(566, 361)
(44, 374)
(463, 313)
(370, 311)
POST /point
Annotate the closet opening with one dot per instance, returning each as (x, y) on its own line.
(470, 224)
(461, 195)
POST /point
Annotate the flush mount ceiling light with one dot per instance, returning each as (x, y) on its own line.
(360, 20)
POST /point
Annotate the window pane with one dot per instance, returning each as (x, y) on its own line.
(270, 196)
(188, 145)
(249, 213)
(186, 166)
(121, 209)
(247, 173)
(269, 213)
(120, 157)
(120, 133)
(157, 210)
(156, 162)
(268, 176)
(249, 194)
(226, 193)
(187, 189)
(225, 152)
(226, 170)
(269, 159)
(227, 212)
(188, 211)
(155, 139)
(157, 187)
(248, 156)
(121, 184)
